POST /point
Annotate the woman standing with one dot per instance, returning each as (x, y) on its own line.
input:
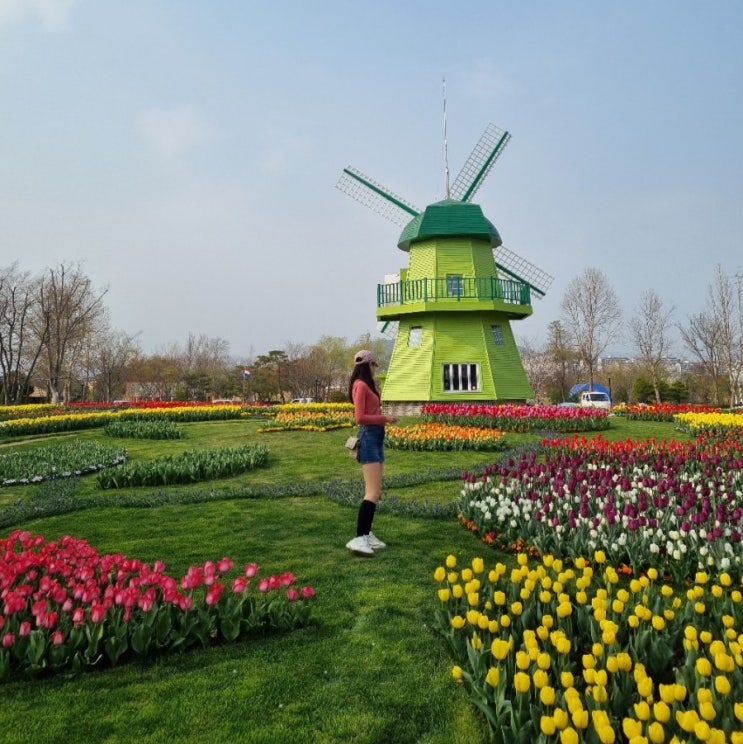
(363, 391)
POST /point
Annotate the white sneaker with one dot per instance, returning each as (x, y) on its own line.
(374, 542)
(360, 546)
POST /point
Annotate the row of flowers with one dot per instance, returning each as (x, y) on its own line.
(52, 424)
(311, 417)
(569, 653)
(518, 418)
(435, 437)
(62, 460)
(695, 423)
(674, 506)
(66, 607)
(658, 411)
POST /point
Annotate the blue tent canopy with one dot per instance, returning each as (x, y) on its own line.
(583, 386)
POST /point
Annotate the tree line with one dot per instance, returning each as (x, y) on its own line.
(56, 337)
(591, 322)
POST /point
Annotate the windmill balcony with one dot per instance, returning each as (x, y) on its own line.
(454, 294)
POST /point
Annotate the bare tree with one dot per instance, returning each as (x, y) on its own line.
(539, 366)
(19, 348)
(563, 358)
(67, 309)
(112, 355)
(592, 317)
(701, 337)
(649, 329)
(715, 336)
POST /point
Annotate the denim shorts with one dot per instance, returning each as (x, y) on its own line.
(371, 443)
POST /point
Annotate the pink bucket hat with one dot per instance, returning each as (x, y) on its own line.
(364, 355)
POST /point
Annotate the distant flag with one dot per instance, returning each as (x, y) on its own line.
(246, 374)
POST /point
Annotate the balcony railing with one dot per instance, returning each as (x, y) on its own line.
(453, 289)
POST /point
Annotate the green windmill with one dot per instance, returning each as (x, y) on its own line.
(451, 308)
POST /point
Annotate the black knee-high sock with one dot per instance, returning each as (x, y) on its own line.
(365, 518)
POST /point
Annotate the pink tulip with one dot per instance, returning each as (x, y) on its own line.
(307, 592)
(251, 570)
(292, 595)
(8, 640)
(225, 565)
(57, 638)
(213, 594)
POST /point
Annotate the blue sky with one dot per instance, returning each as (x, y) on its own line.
(186, 153)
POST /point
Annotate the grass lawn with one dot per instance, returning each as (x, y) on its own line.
(369, 669)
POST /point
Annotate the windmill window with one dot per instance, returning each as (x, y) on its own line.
(415, 335)
(454, 285)
(497, 335)
(461, 378)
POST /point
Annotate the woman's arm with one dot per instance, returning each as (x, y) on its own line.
(366, 405)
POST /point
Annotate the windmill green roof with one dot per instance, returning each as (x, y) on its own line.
(449, 218)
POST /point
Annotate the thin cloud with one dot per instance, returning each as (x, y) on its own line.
(175, 130)
(52, 14)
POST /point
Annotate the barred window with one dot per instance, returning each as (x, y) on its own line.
(461, 377)
(415, 335)
(454, 285)
(497, 335)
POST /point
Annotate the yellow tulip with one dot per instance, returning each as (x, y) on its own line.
(656, 734)
(547, 695)
(561, 718)
(451, 562)
(642, 710)
(478, 565)
(631, 727)
(457, 622)
(439, 574)
(499, 598)
(701, 730)
(540, 678)
(645, 687)
(456, 672)
(452, 577)
(444, 595)
(457, 591)
(521, 682)
(707, 711)
(547, 725)
(703, 666)
(500, 648)
(544, 661)
(687, 720)
(493, 676)
(661, 711)
(566, 679)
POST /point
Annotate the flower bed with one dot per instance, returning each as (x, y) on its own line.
(518, 418)
(437, 437)
(311, 417)
(188, 467)
(714, 423)
(54, 424)
(57, 461)
(143, 430)
(658, 411)
(65, 607)
(573, 654)
(674, 506)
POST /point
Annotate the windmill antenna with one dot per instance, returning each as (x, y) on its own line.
(446, 151)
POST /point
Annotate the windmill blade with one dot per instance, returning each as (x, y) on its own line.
(519, 268)
(375, 196)
(479, 163)
(388, 329)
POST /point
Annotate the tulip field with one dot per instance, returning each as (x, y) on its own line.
(552, 575)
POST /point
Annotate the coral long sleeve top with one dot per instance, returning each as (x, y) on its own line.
(366, 405)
